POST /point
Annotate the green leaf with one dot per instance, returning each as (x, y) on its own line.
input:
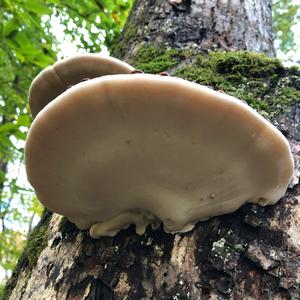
(5, 141)
(36, 6)
(8, 127)
(9, 4)
(20, 135)
(2, 176)
(22, 39)
(9, 27)
(23, 120)
(36, 206)
(10, 44)
(42, 60)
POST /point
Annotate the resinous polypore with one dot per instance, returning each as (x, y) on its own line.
(144, 149)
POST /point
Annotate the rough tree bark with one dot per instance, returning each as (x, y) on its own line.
(250, 254)
(201, 24)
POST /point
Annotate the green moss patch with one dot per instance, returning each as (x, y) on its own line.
(242, 63)
(36, 242)
(153, 60)
(259, 80)
(255, 78)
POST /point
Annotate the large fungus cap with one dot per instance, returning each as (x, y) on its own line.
(56, 79)
(135, 149)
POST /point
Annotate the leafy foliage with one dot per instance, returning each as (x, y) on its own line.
(286, 13)
(101, 19)
(27, 45)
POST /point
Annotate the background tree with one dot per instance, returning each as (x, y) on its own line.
(252, 252)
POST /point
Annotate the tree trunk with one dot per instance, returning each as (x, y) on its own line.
(250, 254)
(200, 25)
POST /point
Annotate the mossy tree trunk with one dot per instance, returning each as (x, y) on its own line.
(252, 253)
(199, 25)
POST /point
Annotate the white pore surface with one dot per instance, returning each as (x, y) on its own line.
(143, 149)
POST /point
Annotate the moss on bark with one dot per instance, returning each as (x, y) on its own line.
(154, 60)
(36, 242)
(255, 78)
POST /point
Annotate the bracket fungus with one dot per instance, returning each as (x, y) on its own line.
(56, 79)
(143, 149)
